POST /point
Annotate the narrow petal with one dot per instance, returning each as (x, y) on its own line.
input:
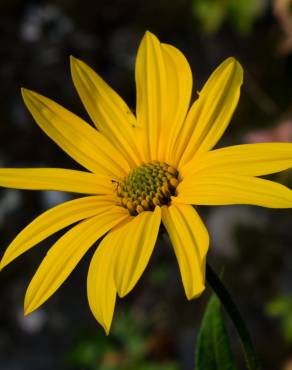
(58, 179)
(210, 114)
(101, 289)
(108, 111)
(223, 189)
(246, 159)
(78, 139)
(179, 90)
(136, 242)
(66, 253)
(53, 220)
(190, 241)
(164, 84)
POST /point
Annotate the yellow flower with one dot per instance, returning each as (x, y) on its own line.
(142, 170)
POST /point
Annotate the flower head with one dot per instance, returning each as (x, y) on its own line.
(141, 170)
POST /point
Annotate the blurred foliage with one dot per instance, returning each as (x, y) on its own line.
(127, 348)
(241, 14)
(213, 348)
(281, 307)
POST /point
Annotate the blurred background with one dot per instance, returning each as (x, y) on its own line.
(155, 327)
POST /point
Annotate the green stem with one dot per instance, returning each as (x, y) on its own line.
(225, 298)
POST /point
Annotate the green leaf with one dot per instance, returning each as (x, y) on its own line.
(213, 349)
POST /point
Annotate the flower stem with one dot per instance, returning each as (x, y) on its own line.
(225, 298)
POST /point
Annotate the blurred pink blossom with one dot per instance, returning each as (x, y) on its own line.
(281, 132)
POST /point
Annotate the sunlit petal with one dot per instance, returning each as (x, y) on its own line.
(64, 255)
(55, 179)
(179, 90)
(54, 220)
(223, 189)
(134, 248)
(190, 241)
(246, 159)
(211, 113)
(81, 141)
(108, 111)
(164, 84)
(101, 289)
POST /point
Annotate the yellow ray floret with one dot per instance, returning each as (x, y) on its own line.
(190, 241)
(64, 255)
(58, 179)
(246, 159)
(108, 111)
(86, 145)
(55, 219)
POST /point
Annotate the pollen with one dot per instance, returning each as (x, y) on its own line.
(147, 186)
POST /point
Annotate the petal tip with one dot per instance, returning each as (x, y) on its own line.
(106, 328)
(29, 305)
(24, 92)
(3, 263)
(236, 66)
(148, 33)
(27, 310)
(29, 95)
(234, 63)
(149, 36)
(195, 293)
(106, 331)
(106, 323)
(122, 292)
(74, 61)
(231, 60)
(77, 67)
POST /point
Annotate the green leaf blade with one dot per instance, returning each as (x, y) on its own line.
(213, 348)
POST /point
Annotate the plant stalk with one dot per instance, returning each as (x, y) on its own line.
(217, 286)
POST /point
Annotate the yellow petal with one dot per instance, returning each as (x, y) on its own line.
(223, 189)
(81, 141)
(151, 92)
(247, 159)
(101, 290)
(164, 84)
(54, 220)
(190, 241)
(64, 255)
(108, 111)
(210, 114)
(135, 244)
(179, 90)
(58, 179)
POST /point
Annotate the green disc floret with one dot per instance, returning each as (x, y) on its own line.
(149, 185)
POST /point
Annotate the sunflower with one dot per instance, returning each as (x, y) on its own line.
(140, 171)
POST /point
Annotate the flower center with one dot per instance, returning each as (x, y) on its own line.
(147, 186)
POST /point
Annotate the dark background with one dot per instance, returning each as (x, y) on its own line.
(155, 327)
